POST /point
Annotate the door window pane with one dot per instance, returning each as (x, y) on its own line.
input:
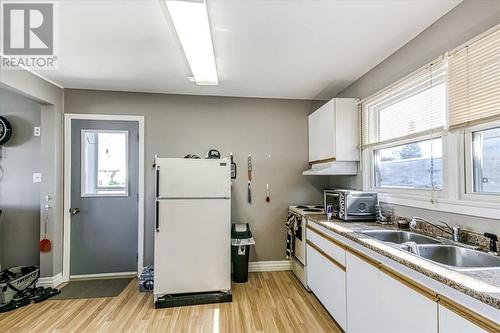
(417, 165)
(486, 160)
(104, 163)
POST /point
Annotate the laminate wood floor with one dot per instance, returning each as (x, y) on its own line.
(269, 302)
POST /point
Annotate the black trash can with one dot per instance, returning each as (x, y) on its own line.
(241, 239)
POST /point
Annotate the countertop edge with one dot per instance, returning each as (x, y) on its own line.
(355, 236)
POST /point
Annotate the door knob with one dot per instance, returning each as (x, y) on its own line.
(74, 211)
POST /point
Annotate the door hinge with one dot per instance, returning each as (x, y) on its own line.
(137, 137)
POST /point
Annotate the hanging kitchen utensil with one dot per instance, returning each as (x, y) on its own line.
(45, 243)
(249, 168)
(268, 193)
(213, 153)
(233, 167)
(249, 194)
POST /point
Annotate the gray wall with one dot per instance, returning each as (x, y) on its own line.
(50, 98)
(273, 131)
(464, 22)
(19, 196)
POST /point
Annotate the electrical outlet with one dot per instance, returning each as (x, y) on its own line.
(36, 131)
(37, 177)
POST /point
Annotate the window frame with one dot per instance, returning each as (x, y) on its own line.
(111, 191)
(467, 175)
(369, 165)
(453, 197)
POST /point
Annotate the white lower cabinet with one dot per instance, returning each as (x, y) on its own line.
(403, 309)
(327, 282)
(363, 300)
(370, 297)
(450, 322)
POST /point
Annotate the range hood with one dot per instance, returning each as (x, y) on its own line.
(332, 168)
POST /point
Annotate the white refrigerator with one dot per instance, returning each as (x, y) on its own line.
(193, 226)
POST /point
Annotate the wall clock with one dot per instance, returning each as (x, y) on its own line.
(5, 130)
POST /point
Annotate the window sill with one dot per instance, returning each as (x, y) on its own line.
(463, 207)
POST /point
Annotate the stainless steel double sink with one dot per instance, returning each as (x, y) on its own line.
(451, 256)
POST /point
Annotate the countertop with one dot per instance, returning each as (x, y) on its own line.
(483, 285)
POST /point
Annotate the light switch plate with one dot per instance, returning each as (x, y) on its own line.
(36, 131)
(37, 177)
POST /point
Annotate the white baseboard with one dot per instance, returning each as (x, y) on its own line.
(255, 266)
(103, 276)
(51, 281)
(270, 266)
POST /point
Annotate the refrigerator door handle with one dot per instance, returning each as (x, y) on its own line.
(157, 204)
(157, 217)
(157, 181)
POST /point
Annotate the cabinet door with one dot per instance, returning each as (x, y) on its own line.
(403, 309)
(327, 282)
(321, 133)
(450, 322)
(347, 129)
(363, 299)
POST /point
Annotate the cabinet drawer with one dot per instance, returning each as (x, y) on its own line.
(333, 250)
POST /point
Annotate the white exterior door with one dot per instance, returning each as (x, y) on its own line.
(193, 246)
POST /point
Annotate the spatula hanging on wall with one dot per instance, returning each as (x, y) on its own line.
(45, 243)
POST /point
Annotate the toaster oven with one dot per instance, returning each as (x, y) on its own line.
(351, 205)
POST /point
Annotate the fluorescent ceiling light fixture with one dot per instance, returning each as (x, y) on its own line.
(190, 19)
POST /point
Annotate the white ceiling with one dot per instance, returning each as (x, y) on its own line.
(279, 49)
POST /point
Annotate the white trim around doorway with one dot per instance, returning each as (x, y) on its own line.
(68, 117)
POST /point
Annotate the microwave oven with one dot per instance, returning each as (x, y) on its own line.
(351, 205)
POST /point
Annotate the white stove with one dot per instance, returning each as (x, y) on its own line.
(299, 254)
(307, 209)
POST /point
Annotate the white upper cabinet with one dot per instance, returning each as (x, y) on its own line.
(334, 131)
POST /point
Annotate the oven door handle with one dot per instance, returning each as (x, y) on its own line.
(360, 214)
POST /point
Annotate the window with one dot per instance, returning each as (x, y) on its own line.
(402, 131)
(432, 139)
(417, 165)
(420, 112)
(474, 109)
(412, 107)
(474, 84)
(104, 163)
(486, 160)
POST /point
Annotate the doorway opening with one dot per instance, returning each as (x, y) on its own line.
(103, 196)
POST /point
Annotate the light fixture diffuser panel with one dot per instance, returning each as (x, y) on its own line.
(190, 19)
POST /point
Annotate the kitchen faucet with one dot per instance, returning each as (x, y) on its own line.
(445, 227)
(493, 242)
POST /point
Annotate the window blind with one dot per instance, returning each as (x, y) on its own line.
(410, 107)
(474, 81)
